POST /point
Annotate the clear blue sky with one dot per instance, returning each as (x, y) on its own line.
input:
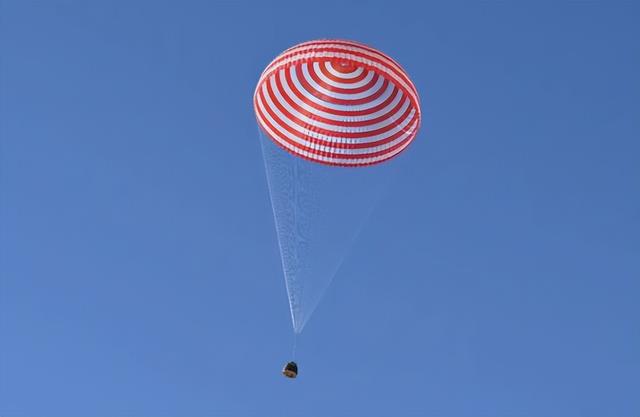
(139, 270)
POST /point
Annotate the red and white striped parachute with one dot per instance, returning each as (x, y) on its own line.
(337, 102)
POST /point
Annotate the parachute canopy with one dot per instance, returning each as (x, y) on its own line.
(337, 102)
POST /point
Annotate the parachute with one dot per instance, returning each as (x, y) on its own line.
(330, 113)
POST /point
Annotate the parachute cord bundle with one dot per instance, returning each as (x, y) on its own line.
(295, 342)
(290, 294)
(319, 211)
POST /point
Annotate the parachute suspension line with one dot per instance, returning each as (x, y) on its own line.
(295, 206)
(294, 301)
(275, 219)
(295, 342)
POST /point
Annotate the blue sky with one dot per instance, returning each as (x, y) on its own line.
(139, 269)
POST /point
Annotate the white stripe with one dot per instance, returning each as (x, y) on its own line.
(307, 107)
(342, 151)
(350, 48)
(343, 107)
(342, 96)
(391, 118)
(308, 55)
(303, 48)
(338, 139)
(306, 132)
(324, 78)
(347, 75)
(320, 158)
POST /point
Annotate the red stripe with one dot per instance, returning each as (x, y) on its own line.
(337, 101)
(332, 144)
(382, 55)
(318, 161)
(304, 125)
(354, 113)
(345, 122)
(397, 71)
(325, 153)
(347, 42)
(361, 89)
(307, 125)
(343, 66)
(332, 77)
(302, 79)
(373, 51)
